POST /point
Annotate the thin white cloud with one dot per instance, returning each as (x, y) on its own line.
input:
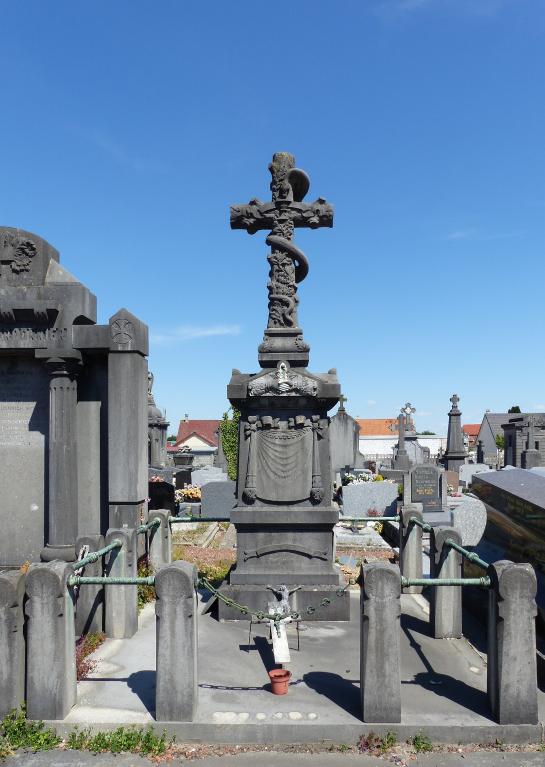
(184, 333)
(539, 407)
(423, 413)
(476, 236)
(371, 402)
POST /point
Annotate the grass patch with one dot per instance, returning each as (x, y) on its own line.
(134, 740)
(375, 744)
(85, 645)
(17, 732)
(213, 564)
(421, 743)
(146, 594)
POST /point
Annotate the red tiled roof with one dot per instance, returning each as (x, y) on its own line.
(204, 429)
(377, 427)
(471, 429)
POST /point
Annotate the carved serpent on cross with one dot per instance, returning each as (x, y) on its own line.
(286, 211)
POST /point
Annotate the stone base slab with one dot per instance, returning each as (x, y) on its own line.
(256, 598)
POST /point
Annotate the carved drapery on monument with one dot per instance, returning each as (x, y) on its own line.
(284, 513)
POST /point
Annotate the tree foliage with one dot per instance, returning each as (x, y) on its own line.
(514, 409)
(500, 441)
(229, 441)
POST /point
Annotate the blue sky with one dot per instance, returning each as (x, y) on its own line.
(128, 129)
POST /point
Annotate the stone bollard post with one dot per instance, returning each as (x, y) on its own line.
(12, 641)
(121, 602)
(410, 545)
(160, 540)
(51, 641)
(380, 671)
(90, 599)
(176, 643)
(445, 601)
(512, 669)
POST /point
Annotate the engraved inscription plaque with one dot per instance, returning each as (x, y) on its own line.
(425, 488)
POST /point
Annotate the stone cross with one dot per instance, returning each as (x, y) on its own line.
(455, 399)
(285, 212)
(342, 400)
(407, 411)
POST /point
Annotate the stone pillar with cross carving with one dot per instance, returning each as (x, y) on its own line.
(127, 419)
(455, 454)
(531, 456)
(284, 513)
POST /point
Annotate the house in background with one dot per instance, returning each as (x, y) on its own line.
(379, 436)
(471, 431)
(201, 437)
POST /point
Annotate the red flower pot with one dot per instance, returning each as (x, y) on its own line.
(280, 678)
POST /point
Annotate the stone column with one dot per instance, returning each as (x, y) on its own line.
(12, 641)
(51, 642)
(121, 602)
(410, 545)
(90, 599)
(176, 643)
(160, 539)
(455, 454)
(512, 670)
(127, 419)
(62, 519)
(380, 669)
(446, 601)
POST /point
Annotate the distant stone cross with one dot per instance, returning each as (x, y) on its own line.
(285, 212)
(407, 411)
(342, 400)
(455, 399)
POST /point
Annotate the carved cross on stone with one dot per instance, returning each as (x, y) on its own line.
(288, 264)
(455, 399)
(342, 400)
(407, 410)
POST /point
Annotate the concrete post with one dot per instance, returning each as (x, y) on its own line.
(12, 641)
(121, 602)
(380, 673)
(160, 540)
(90, 599)
(51, 642)
(410, 545)
(176, 643)
(512, 670)
(445, 601)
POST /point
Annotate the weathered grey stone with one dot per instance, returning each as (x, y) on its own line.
(12, 641)
(468, 470)
(200, 477)
(380, 672)
(218, 498)
(468, 517)
(90, 598)
(344, 441)
(121, 602)
(157, 430)
(127, 418)
(511, 670)
(427, 484)
(51, 642)
(410, 545)
(360, 498)
(160, 539)
(176, 686)
(446, 601)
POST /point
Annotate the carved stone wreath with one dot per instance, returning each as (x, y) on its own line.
(282, 382)
(17, 251)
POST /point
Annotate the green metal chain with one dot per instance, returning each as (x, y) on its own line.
(261, 615)
(471, 555)
(94, 556)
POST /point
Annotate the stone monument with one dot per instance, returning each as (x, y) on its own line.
(72, 407)
(344, 439)
(284, 513)
(157, 431)
(455, 454)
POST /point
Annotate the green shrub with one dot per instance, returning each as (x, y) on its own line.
(123, 739)
(145, 593)
(421, 743)
(16, 731)
(229, 441)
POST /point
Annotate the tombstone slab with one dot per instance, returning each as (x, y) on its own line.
(218, 499)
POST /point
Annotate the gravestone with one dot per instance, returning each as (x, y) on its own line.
(426, 484)
(468, 471)
(468, 517)
(200, 477)
(157, 431)
(284, 513)
(455, 455)
(344, 434)
(72, 407)
(359, 498)
(218, 498)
